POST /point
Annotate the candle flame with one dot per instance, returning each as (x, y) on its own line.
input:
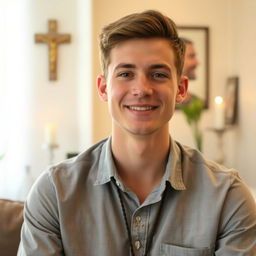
(218, 100)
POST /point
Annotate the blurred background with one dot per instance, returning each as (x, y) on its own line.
(43, 121)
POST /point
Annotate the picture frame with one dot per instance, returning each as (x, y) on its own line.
(199, 36)
(231, 100)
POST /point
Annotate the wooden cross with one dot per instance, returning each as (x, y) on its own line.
(53, 39)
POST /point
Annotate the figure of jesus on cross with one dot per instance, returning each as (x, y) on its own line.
(53, 39)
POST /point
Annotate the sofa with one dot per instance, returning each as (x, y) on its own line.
(11, 218)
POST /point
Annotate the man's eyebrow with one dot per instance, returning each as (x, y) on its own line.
(124, 65)
(160, 66)
(133, 66)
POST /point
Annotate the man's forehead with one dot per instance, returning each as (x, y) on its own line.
(155, 51)
(142, 43)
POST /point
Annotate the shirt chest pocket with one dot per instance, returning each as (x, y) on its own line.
(172, 250)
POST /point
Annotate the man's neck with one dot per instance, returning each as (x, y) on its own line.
(141, 161)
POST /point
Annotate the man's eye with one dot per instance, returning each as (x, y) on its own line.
(124, 74)
(159, 75)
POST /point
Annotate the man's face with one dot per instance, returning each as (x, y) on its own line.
(142, 86)
(190, 62)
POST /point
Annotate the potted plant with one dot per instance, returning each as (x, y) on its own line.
(192, 111)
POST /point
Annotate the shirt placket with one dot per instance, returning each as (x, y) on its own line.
(139, 230)
(141, 218)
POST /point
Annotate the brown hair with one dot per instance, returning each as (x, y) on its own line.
(148, 24)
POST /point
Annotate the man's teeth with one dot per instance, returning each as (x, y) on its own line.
(140, 108)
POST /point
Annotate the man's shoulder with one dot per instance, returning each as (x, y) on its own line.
(80, 166)
(210, 179)
(64, 181)
(195, 163)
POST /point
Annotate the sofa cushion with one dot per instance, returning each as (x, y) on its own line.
(11, 218)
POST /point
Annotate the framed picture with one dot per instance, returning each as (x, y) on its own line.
(231, 99)
(196, 65)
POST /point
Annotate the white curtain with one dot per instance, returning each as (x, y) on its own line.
(14, 98)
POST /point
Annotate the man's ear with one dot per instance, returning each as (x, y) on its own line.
(182, 89)
(102, 87)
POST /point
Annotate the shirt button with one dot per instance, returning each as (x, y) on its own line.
(138, 219)
(137, 245)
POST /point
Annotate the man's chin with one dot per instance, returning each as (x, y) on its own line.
(141, 132)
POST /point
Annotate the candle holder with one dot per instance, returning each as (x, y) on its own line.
(220, 158)
(50, 147)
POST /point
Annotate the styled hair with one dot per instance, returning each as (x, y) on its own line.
(148, 24)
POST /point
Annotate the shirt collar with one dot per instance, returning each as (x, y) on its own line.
(106, 168)
(173, 172)
(174, 166)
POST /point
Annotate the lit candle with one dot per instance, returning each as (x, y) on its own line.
(50, 134)
(219, 113)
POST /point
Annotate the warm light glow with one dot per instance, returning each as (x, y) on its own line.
(219, 113)
(219, 100)
(50, 133)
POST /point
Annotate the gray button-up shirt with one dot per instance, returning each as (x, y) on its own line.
(73, 209)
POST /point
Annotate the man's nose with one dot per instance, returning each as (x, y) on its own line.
(142, 86)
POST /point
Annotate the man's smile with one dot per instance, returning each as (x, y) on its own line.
(141, 107)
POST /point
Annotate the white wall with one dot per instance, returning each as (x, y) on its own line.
(53, 101)
(230, 54)
(242, 55)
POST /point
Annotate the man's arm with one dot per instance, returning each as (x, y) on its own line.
(238, 222)
(40, 234)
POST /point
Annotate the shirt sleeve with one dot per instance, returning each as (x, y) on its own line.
(40, 234)
(237, 230)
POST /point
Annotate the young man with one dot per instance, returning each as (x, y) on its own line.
(139, 192)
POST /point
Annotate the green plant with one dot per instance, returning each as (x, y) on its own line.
(192, 111)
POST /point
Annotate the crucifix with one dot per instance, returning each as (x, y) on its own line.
(52, 39)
